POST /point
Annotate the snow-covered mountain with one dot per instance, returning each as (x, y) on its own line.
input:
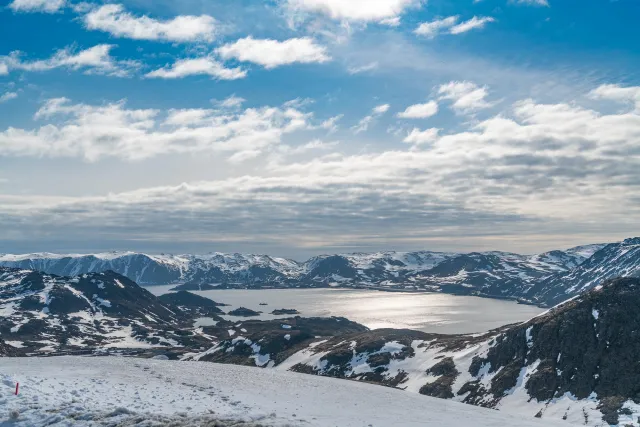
(493, 274)
(46, 313)
(614, 260)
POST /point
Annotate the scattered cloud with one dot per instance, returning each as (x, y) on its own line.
(95, 60)
(472, 24)
(274, 53)
(467, 96)
(391, 22)
(232, 102)
(381, 109)
(383, 11)
(419, 137)
(46, 6)
(433, 28)
(363, 125)
(363, 68)
(8, 96)
(331, 124)
(115, 20)
(197, 67)
(4, 69)
(533, 2)
(420, 111)
(112, 130)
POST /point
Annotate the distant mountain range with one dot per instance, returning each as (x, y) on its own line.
(544, 279)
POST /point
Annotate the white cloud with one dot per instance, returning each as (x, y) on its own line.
(95, 60)
(196, 67)
(46, 6)
(274, 53)
(316, 144)
(363, 68)
(433, 28)
(618, 93)
(232, 102)
(472, 24)
(363, 125)
(418, 137)
(8, 96)
(112, 130)
(113, 19)
(381, 109)
(331, 124)
(533, 2)
(391, 22)
(355, 10)
(4, 69)
(467, 97)
(420, 111)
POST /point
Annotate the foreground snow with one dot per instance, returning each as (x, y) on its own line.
(110, 391)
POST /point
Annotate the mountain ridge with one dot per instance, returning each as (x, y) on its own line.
(493, 274)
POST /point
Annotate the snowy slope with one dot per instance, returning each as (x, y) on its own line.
(82, 392)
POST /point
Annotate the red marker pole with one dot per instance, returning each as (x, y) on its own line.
(17, 388)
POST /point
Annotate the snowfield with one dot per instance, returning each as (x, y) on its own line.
(117, 391)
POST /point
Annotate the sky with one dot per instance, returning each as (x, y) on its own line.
(302, 127)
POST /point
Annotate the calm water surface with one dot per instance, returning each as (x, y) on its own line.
(439, 313)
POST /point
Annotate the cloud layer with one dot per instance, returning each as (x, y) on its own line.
(558, 167)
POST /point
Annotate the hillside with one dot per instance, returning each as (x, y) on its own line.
(575, 362)
(47, 313)
(108, 391)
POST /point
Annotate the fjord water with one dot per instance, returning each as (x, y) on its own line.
(428, 312)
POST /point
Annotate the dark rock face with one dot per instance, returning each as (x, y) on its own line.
(588, 345)
(9, 351)
(244, 312)
(447, 373)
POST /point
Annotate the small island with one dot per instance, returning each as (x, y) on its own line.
(194, 287)
(244, 312)
(283, 311)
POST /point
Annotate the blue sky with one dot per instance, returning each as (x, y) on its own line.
(297, 127)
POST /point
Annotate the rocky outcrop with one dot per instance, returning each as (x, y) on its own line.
(192, 303)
